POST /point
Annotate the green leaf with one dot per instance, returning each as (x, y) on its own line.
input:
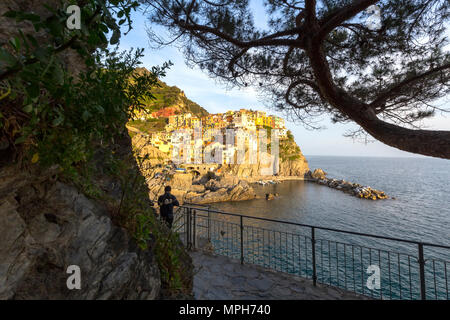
(28, 108)
(55, 27)
(100, 109)
(86, 115)
(103, 27)
(15, 42)
(11, 14)
(115, 37)
(32, 17)
(20, 140)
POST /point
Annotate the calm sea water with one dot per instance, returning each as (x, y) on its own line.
(420, 212)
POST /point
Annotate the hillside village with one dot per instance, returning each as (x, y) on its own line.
(212, 125)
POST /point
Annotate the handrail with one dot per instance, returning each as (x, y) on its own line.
(191, 206)
(193, 211)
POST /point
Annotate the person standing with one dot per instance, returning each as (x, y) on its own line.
(166, 203)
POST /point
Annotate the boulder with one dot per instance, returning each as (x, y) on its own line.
(318, 174)
(270, 196)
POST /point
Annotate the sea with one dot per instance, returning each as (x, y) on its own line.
(418, 210)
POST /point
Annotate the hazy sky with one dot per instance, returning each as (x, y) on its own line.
(216, 98)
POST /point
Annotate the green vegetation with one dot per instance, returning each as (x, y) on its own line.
(149, 126)
(55, 110)
(169, 96)
(289, 151)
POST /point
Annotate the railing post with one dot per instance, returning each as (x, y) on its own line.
(423, 295)
(188, 228)
(185, 225)
(194, 228)
(313, 243)
(242, 240)
(209, 225)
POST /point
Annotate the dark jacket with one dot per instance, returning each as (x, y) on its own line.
(166, 203)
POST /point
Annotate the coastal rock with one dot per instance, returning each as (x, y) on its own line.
(198, 188)
(213, 185)
(217, 192)
(46, 226)
(355, 189)
(292, 163)
(318, 174)
(298, 167)
(271, 196)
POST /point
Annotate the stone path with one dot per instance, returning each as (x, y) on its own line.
(221, 278)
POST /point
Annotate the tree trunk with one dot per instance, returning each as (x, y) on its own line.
(432, 143)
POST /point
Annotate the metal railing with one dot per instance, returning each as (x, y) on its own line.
(325, 255)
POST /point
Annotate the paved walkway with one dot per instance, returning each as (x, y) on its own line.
(221, 278)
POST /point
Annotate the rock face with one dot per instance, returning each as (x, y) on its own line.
(292, 163)
(298, 167)
(46, 226)
(187, 188)
(225, 188)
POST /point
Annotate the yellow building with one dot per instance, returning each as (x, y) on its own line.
(195, 122)
(267, 122)
(259, 121)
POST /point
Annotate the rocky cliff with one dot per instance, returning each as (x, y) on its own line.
(46, 226)
(292, 163)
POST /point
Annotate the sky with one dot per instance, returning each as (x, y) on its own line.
(216, 98)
